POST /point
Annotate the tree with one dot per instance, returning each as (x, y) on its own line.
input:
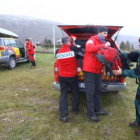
(132, 47)
(125, 46)
(122, 45)
(47, 43)
(128, 46)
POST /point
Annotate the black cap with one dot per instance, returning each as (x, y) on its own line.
(102, 29)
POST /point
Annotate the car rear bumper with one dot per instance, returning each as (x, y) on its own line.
(112, 86)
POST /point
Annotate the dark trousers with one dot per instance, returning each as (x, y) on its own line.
(65, 84)
(93, 86)
(137, 105)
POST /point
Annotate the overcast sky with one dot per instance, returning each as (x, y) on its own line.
(102, 12)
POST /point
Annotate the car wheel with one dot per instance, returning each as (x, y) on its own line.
(12, 63)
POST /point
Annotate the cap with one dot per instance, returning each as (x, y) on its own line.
(102, 29)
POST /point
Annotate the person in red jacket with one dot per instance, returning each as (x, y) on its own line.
(30, 51)
(68, 77)
(93, 73)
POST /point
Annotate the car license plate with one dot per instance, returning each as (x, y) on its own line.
(81, 85)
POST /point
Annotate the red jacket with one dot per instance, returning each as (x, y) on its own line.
(67, 62)
(91, 63)
(30, 47)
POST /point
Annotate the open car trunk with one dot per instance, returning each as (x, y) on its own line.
(83, 33)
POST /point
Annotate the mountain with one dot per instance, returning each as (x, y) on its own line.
(29, 27)
(39, 29)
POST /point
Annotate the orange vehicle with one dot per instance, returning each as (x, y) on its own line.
(83, 33)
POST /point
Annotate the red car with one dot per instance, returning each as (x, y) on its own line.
(83, 33)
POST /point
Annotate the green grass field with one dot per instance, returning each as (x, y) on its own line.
(29, 108)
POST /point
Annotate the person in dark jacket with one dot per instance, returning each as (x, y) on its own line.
(67, 77)
(30, 52)
(133, 73)
(93, 73)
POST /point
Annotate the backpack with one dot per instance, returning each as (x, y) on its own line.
(109, 57)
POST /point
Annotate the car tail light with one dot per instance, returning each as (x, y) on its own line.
(56, 74)
(2, 48)
(80, 74)
(56, 69)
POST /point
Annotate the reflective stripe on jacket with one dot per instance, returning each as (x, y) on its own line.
(67, 62)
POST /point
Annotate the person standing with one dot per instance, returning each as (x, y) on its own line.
(133, 73)
(93, 73)
(67, 77)
(30, 52)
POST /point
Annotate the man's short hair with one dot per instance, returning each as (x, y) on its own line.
(65, 40)
(139, 39)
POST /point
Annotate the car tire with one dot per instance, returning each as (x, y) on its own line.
(12, 63)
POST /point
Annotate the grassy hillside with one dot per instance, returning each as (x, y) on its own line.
(29, 108)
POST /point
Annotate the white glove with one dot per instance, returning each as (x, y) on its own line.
(74, 38)
(78, 46)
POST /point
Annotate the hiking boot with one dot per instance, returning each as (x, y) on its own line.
(94, 118)
(137, 132)
(134, 124)
(63, 119)
(104, 113)
(34, 63)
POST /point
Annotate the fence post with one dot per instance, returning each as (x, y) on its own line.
(54, 38)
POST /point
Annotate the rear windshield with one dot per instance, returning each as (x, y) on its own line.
(87, 30)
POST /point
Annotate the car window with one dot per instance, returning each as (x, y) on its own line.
(13, 43)
(1, 42)
(19, 44)
(6, 42)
